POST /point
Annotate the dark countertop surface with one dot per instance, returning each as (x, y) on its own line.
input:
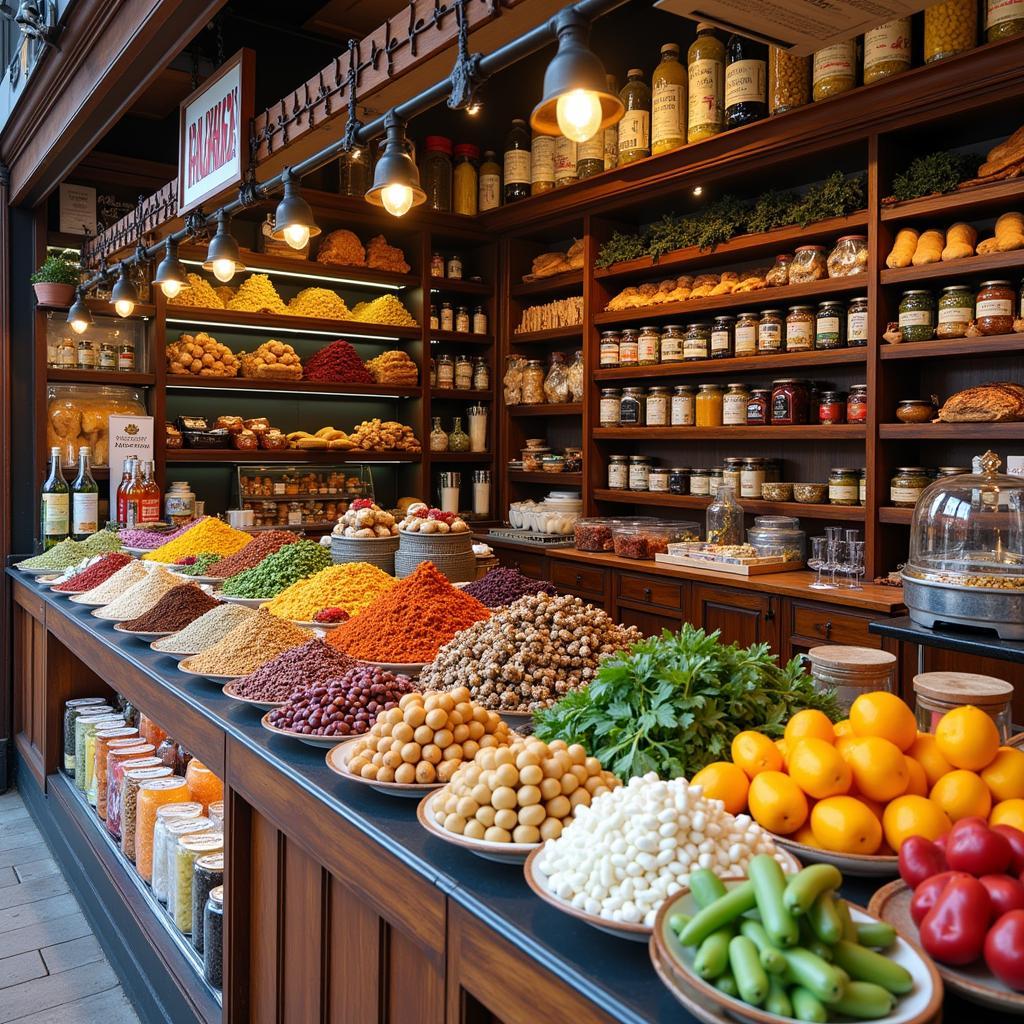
(966, 641)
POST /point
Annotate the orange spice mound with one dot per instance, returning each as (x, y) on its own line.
(410, 621)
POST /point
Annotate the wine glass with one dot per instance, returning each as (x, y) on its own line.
(817, 561)
(855, 564)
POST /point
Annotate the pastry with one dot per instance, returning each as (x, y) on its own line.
(1000, 402)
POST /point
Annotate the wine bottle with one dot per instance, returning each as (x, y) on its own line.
(122, 491)
(85, 499)
(149, 511)
(54, 504)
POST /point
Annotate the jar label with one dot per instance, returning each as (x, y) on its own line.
(905, 495)
(857, 326)
(479, 323)
(618, 476)
(542, 159)
(798, 337)
(700, 485)
(751, 482)
(667, 112)
(828, 325)
(745, 82)
(609, 413)
(611, 147)
(565, 159)
(746, 339)
(647, 348)
(888, 42)
(769, 337)
(639, 477)
(705, 106)
(734, 410)
(592, 149)
(682, 411)
(629, 352)
(658, 482)
(955, 314)
(629, 412)
(997, 11)
(842, 492)
(719, 341)
(609, 353)
(490, 192)
(517, 167)
(916, 318)
(671, 348)
(695, 348)
(994, 307)
(836, 61)
(634, 131)
(657, 411)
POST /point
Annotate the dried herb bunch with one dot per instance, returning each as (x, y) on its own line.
(934, 173)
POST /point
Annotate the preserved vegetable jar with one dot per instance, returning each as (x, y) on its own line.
(1003, 18)
(490, 182)
(732, 469)
(635, 126)
(679, 480)
(835, 69)
(752, 477)
(790, 402)
(590, 155)
(843, 486)
(683, 407)
(700, 482)
(721, 337)
(648, 346)
(639, 472)
(830, 325)
(809, 264)
(800, 329)
(609, 349)
(631, 408)
(565, 161)
(672, 342)
(706, 79)
(436, 173)
(956, 310)
(658, 407)
(907, 485)
(618, 472)
(857, 322)
(629, 348)
(734, 405)
(746, 87)
(658, 479)
(849, 257)
(769, 331)
(886, 50)
(917, 314)
(697, 344)
(542, 164)
(788, 81)
(832, 407)
(759, 407)
(465, 199)
(517, 162)
(938, 693)
(709, 405)
(950, 28)
(745, 334)
(993, 308)
(668, 101)
(857, 404)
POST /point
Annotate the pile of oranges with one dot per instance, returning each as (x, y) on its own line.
(865, 784)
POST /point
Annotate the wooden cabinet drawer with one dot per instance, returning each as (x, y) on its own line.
(585, 579)
(831, 625)
(649, 623)
(651, 590)
(529, 564)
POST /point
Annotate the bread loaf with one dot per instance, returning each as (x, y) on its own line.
(999, 402)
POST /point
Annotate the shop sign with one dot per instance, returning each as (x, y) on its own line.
(213, 141)
(799, 26)
(77, 209)
(129, 435)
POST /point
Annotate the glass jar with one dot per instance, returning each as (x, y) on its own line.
(706, 79)
(479, 320)
(683, 409)
(809, 264)
(453, 268)
(542, 164)
(835, 70)
(831, 407)
(950, 28)
(186, 854)
(887, 50)
(436, 172)
(1003, 18)
(108, 356)
(722, 337)
(759, 407)
(862, 487)
(955, 312)
(72, 710)
(435, 322)
(609, 349)
(458, 439)
(635, 126)
(88, 354)
(657, 407)
(769, 331)
(436, 265)
(857, 404)
(993, 309)
(618, 472)
(207, 875)
(788, 81)
(609, 408)
(657, 481)
(746, 86)
(709, 405)
(517, 163)
(631, 408)
(778, 272)
(152, 793)
(848, 257)
(790, 402)
(915, 410)
(907, 485)
(447, 317)
(533, 382)
(672, 342)
(700, 482)
(857, 322)
(800, 329)
(697, 343)
(639, 472)
(445, 373)
(67, 354)
(629, 348)
(851, 671)
(490, 182)
(938, 693)
(173, 821)
(573, 459)
(679, 480)
(86, 726)
(917, 315)
(464, 178)
(463, 373)
(752, 475)
(745, 334)
(213, 938)
(481, 374)
(462, 319)
(843, 488)
(731, 473)
(648, 346)
(590, 156)
(830, 325)
(734, 405)
(724, 517)
(438, 437)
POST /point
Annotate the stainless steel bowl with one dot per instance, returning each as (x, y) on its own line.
(932, 603)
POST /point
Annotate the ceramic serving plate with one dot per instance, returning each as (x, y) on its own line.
(82, 599)
(849, 863)
(229, 690)
(337, 761)
(138, 552)
(410, 669)
(173, 654)
(183, 666)
(975, 982)
(34, 572)
(312, 741)
(919, 1006)
(118, 628)
(246, 602)
(502, 853)
(98, 613)
(197, 579)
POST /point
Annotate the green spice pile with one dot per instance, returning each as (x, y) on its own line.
(258, 639)
(253, 553)
(66, 553)
(206, 631)
(198, 564)
(934, 173)
(281, 569)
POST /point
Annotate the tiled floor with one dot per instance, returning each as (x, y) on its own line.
(52, 970)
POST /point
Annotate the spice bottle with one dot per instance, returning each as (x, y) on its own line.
(635, 126)
(886, 50)
(490, 182)
(565, 161)
(542, 164)
(465, 188)
(668, 102)
(835, 69)
(788, 81)
(745, 334)
(746, 92)
(517, 162)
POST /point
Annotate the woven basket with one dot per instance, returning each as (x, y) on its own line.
(378, 551)
(451, 553)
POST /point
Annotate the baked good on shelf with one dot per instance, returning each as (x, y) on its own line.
(341, 248)
(381, 255)
(999, 402)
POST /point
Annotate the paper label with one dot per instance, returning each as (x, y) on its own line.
(835, 61)
(618, 476)
(490, 192)
(916, 318)
(682, 410)
(592, 149)
(634, 131)
(565, 159)
(719, 341)
(1003, 10)
(828, 325)
(798, 337)
(542, 159)
(647, 348)
(746, 339)
(842, 492)
(611, 147)
(668, 104)
(856, 327)
(55, 514)
(85, 516)
(734, 410)
(888, 42)
(745, 82)
(705, 104)
(955, 315)
(904, 495)
(671, 349)
(994, 307)
(695, 348)
(517, 167)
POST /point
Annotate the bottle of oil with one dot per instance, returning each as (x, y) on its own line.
(668, 102)
(635, 126)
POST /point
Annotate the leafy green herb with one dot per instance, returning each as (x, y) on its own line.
(621, 247)
(772, 210)
(836, 196)
(672, 704)
(936, 172)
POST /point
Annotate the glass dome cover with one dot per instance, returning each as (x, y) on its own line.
(968, 530)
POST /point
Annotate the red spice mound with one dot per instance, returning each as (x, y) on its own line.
(410, 621)
(96, 573)
(253, 553)
(338, 363)
(174, 611)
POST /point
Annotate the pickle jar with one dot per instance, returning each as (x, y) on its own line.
(835, 70)
(683, 408)
(917, 315)
(843, 486)
(618, 472)
(887, 50)
(956, 310)
(800, 329)
(752, 475)
(657, 407)
(639, 472)
(830, 325)
(993, 308)
(697, 343)
(609, 408)
(907, 485)
(744, 334)
(769, 331)
(734, 405)
(672, 342)
(788, 81)
(857, 322)
(857, 404)
(1003, 19)
(648, 344)
(609, 346)
(950, 28)
(631, 408)
(722, 337)
(629, 349)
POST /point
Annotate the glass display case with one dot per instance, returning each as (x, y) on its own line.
(108, 345)
(966, 563)
(300, 496)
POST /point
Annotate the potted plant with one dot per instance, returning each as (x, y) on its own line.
(55, 281)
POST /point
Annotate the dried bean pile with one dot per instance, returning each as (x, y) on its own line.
(338, 362)
(252, 554)
(174, 611)
(207, 630)
(503, 586)
(97, 573)
(346, 706)
(301, 668)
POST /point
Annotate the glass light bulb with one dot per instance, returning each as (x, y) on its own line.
(124, 307)
(397, 199)
(224, 270)
(579, 114)
(170, 288)
(296, 235)
(79, 326)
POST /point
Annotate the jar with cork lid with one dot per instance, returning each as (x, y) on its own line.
(937, 693)
(851, 671)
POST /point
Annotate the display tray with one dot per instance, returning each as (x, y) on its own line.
(975, 982)
(197, 579)
(325, 626)
(743, 567)
(118, 628)
(78, 599)
(337, 761)
(173, 654)
(501, 853)
(34, 572)
(312, 741)
(531, 539)
(245, 602)
(412, 669)
(265, 705)
(183, 666)
(861, 865)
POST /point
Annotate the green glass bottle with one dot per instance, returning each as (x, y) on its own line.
(85, 499)
(53, 517)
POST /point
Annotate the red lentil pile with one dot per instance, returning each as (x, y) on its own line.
(174, 611)
(97, 573)
(338, 363)
(252, 554)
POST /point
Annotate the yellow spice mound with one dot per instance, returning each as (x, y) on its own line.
(385, 309)
(245, 648)
(350, 586)
(208, 534)
(319, 302)
(200, 294)
(256, 294)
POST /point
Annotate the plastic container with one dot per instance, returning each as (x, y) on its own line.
(778, 531)
(851, 671)
(72, 710)
(595, 533)
(645, 540)
(203, 786)
(207, 875)
(172, 822)
(152, 793)
(937, 693)
(77, 415)
(213, 937)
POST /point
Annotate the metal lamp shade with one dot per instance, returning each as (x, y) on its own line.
(223, 247)
(293, 209)
(395, 167)
(171, 270)
(124, 290)
(79, 313)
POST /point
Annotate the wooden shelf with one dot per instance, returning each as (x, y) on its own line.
(459, 286)
(764, 299)
(309, 388)
(520, 476)
(554, 334)
(458, 393)
(743, 364)
(281, 323)
(901, 516)
(996, 261)
(851, 513)
(460, 456)
(229, 456)
(99, 377)
(461, 337)
(563, 409)
(816, 432)
(951, 431)
(548, 285)
(954, 348)
(993, 196)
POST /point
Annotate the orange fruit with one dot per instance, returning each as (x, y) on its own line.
(918, 785)
(876, 808)
(1005, 775)
(879, 768)
(967, 738)
(884, 715)
(783, 750)
(755, 753)
(776, 802)
(804, 834)
(843, 728)
(925, 751)
(913, 816)
(818, 769)
(1008, 812)
(809, 723)
(842, 744)
(725, 781)
(962, 794)
(845, 825)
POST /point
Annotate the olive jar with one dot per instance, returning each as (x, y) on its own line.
(956, 310)
(917, 315)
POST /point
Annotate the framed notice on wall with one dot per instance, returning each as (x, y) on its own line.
(129, 435)
(213, 139)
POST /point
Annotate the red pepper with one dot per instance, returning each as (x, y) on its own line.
(1004, 949)
(361, 503)
(1015, 838)
(977, 849)
(953, 931)
(1006, 893)
(919, 859)
(926, 894)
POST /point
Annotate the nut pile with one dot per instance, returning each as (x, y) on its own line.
(199, 294)
(272, 359)
(300, 668)
(345, 706)
(202, 356)
(365, 519)
(384, 435)
(530, 654)
(420, 519)
(524, 793)
(503, 586)
(426, 738)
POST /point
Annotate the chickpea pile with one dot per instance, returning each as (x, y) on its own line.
(523, 793)
(257, 294)
(199, 293)
(272, 359)
(201, 355)
(385, 309)
(426, 738)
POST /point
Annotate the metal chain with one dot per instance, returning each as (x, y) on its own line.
(465, 76)
(353, 125)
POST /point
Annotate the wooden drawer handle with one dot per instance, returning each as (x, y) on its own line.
(647, 593)
(579, 579)
(826, 628)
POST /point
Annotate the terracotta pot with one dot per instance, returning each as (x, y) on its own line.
(50, 294)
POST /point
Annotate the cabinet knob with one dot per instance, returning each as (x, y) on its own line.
(647, 593)
(827, 628)
(579, 579)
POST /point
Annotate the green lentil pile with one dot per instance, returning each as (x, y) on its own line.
(281, 569)
(67, 553)
(202, 562)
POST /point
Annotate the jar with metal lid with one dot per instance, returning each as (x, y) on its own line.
(481, 374)
(752, 474)
(533, 382)
(672, 340)
(722, 337)
(631, 408)
(769, 331)
(734, 405)
(843, 488)
(447, 317)
(679, 480)
(778, 535)
(179, 893)
(951, 471)
(800, 329)
(609, 349)
(683, 408)
(809, 264)
(790, 402)
(731, 468)
(709, 405)
(832, 407)
(917, 315)
(657, 407)
(851, 671)
(744, 334)
(857, 404)
(479, 320)
(915, 410)
(463, 373)
(993, 309)
(834, 70)
(436, 265)
(862, 487)
(453, 268)
(629, 350)
(700, 482)
(462, 319)
(657, 480)
(759, 407)
(609, 407)
(639, 472)
(88, 354)
(830, 325)
(857, 322)
(697, 343)
(618, 472)
(108, 356)
(789, 83)
(445, 372)
(956, 310)
(648, 346)
(907, 485)
(213, 938)
(938, 693)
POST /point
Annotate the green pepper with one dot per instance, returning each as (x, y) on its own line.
(706, 887)
(876, 934)
(726, 984)
(747, 970)
(778, 1002)
(807, 1006)
(769, 886)
(863, 964)
(818, 976)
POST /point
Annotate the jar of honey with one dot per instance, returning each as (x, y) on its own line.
(709, 405)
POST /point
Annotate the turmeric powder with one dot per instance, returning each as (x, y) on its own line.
(350, 586)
